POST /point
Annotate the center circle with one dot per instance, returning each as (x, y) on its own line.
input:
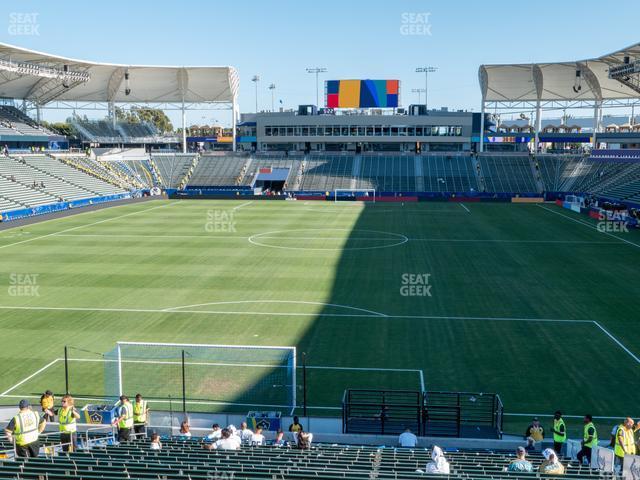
(350, 239)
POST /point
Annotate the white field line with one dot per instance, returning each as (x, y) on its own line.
(445, 240)
(465, 207)
(29, 377)
(243, 205)
(590, 226)
(220, 364)
(306, 314)
(83, 226)
(323, 304)
(618, 342)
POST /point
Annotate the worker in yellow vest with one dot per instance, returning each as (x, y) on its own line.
(140, 416)
(24, 429)
(589, 439)
(124, 421)
(559, 433)
(67, 417)
(625, 442)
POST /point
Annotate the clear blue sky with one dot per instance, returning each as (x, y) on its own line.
(278, 39)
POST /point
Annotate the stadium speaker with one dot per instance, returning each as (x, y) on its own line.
(127, 89)
(577, 86)
(416, 110)
(626, 59)
(65, 84)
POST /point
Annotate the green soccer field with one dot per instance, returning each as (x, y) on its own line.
(528, 301)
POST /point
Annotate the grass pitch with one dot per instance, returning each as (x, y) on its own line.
(531, 302)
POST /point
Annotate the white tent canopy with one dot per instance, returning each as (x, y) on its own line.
(556, 81)
(107, 82)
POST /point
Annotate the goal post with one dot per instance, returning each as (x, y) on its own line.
(345, 194)
(203, 374)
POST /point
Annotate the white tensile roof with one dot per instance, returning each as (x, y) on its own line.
(148, 84)
(555, 81)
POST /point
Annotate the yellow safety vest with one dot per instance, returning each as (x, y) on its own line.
(26, 428)
(127, 421)
(594, 440)
(628, 441)
(140, 412)
(46, 402)
(556, 426)
(66, 420)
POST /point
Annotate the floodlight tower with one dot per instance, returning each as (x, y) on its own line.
(272, 87)
(426, 71)
(256, 79)
(317, 71)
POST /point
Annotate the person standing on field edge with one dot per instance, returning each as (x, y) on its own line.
(24, 429)
(125, 419)
(589, 439)
(559, 433)
(140, 413)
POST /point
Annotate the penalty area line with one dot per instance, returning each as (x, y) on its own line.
(4, 394)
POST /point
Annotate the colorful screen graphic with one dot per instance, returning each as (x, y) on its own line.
(362, 93)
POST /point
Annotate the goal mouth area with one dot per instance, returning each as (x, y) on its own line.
(201, 372)
(354, 195)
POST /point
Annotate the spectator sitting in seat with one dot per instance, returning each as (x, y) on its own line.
(551, 464)
(439, 463)
(185, 429)
(216, 432)
(227, 441)
(244, 433)
(304, 439)
(155, 442)
(407, 439)
(534, 434)
(257, 438)
(520, 464)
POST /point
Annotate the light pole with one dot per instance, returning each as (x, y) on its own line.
(256, 79)
(426, 71)
(317, 71)
(272, 87)
(418, 91)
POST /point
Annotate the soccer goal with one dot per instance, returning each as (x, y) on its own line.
(203, 375)
(346, 194)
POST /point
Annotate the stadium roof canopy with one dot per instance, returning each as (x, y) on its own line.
(557, 81)
(42, 78)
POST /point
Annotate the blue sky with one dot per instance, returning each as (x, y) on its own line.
(278, 39)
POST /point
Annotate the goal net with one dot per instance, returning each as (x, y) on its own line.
(204, 375)
(351, 194)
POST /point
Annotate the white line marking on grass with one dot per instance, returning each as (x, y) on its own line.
(618, 342)
(223, 236)
(464, 206)
(588, 225)
(377, 314)
(319, 314)
(243, 205)
(29, 377)
(83, 226)
(400, 239)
